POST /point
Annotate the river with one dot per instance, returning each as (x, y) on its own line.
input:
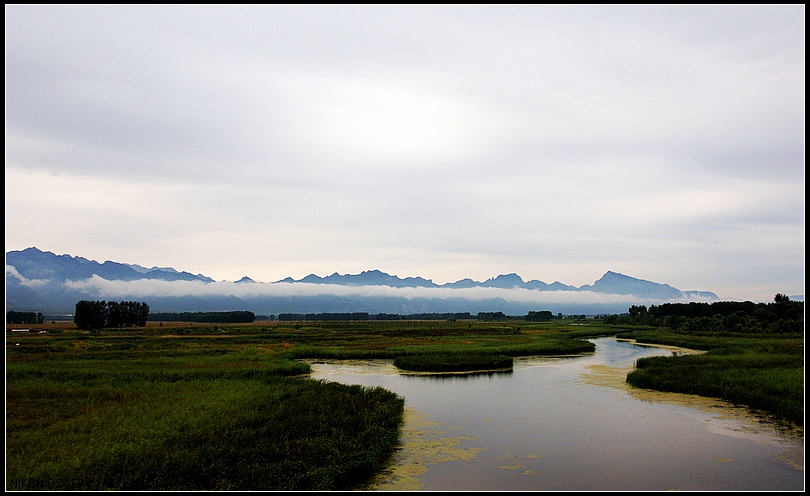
(572, 423)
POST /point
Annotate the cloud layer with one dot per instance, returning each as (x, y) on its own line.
(146, 288)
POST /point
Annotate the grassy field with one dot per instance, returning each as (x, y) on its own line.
(176, 406)
(213, 407)
(763, 372)
(205, 412)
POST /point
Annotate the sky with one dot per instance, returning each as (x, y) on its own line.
(556, 142)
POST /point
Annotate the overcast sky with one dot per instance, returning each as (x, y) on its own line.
(664, 143)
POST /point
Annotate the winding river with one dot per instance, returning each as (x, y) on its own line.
(572, 423)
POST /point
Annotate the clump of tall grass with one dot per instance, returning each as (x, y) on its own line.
(538, 346)
(453, 362)
(209, 434)
(768, 382)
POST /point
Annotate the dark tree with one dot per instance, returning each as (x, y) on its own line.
(637, 310)
(541, 316)
(90, 315)
(13, 317)
(115, 311)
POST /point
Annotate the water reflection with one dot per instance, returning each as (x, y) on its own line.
(571, 423)
(469, 376)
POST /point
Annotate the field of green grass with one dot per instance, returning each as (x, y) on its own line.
(207, 407)
(763, 372)
(228, 407)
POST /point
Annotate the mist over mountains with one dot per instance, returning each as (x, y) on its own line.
(45, 282)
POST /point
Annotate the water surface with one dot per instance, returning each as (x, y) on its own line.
(571, 423)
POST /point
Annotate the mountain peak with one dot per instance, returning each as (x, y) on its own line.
(505, 281)
(616, 283)
(615, 275)
(374, 277)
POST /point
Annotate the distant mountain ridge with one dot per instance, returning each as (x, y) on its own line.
(33, 263)
(51, 272)
(610, 283)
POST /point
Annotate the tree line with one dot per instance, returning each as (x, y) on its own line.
(533, 316)
(391, 316)
(92, 315)
(233, 317)
(424, 316)
(14, 317)
(541, 316)
(783, 315)
(288, 317)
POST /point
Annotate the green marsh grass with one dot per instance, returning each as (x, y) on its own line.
(213, 434)
(453, 362)
(229, 407)
(85, 413)
(764, 373)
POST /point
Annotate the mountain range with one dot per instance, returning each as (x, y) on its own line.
(33, 263)
(610, 283)
(43, 281)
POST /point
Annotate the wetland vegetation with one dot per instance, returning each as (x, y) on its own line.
(453, 362)
(181, 406)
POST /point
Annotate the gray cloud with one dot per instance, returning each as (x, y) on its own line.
(443, 141)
